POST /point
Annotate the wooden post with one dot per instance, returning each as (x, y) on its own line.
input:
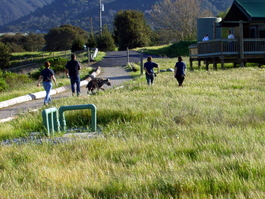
(222, 62)
(191, 68)
(214, 64)
(214, 30)
(142, 63)
(88, 56)
(241, 43)
(128, 56)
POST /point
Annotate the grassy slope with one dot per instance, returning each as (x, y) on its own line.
(203, 140)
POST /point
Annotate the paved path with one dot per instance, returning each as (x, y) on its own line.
(109, 69)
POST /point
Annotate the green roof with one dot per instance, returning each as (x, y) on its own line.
(255, 9)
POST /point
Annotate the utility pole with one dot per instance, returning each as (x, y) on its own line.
(100, 17)
(91, 25)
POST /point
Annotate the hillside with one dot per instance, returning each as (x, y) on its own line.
(53, 13)
(11, 10)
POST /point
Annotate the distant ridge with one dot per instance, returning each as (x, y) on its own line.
(43, 15)
(11, 10)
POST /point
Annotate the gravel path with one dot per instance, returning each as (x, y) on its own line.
(112, 67)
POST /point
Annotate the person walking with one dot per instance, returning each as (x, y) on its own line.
(180, 68)
(72, 70)
(47, 75)
(149, 70)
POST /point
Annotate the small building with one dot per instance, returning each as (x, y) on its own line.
(246, 20)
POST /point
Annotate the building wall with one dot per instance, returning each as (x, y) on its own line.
(205, 25)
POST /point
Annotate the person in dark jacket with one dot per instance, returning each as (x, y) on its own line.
(149, 70)
(47, 75)
(72, 70)
(180, 68)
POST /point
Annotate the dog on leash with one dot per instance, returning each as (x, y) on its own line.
(97, 83)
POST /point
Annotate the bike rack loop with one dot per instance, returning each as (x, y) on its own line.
(78, 107)
(50, 120)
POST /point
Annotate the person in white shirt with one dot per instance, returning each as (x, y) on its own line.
(231, 43)
(205, 38)
(230, 35)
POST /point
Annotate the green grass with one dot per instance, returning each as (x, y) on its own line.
(203, 140)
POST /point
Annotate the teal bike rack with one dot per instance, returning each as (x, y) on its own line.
(54, 120)
(93, 108)
(51, 120)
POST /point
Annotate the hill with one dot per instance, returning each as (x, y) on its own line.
(53, 13)
(11, 10)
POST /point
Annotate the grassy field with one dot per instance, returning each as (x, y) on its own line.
(203, 140)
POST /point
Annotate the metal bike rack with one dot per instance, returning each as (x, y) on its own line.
(54, 120)
(78, 107)
(51, 120)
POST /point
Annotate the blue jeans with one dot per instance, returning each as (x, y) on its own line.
(48, 87)
(75, 80)
(150, 79)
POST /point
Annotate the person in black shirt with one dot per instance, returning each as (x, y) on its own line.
(149, 70)
(180, 68)
(47, 75)
(72, 70)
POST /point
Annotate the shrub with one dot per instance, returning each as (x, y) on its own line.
(180, 48)
(3, 85)
(105, 41)
(78, 44)
(91, 42)
(57, 64)
(11, 80)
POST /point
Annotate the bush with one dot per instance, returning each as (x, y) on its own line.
(11, 80)
(57, 64)
(78, 45)
(105, 41)
(3, 85)
(4, 56)
(179, 48)
(91, 42)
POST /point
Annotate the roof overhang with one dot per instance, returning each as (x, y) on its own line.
(247, 11)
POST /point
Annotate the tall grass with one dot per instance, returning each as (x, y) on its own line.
(203, 140)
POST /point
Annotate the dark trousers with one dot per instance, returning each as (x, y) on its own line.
(75, 80)
(150, 79)
(180, 79)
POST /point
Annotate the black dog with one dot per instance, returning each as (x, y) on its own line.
(97, 83)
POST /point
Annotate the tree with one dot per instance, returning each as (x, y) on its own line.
(105, 42)
(4, 56)
(91, 42)
(178, 18)
(33, 42)
(21, 43)
(78, 44)
(62, 38)
(131, 30)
